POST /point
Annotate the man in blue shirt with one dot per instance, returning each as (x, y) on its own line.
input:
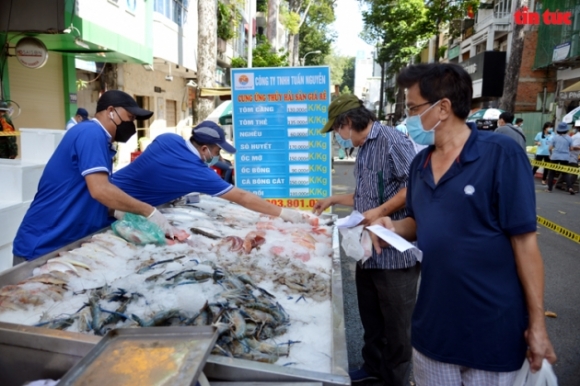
(471, 204)
(74, 192)
(172, 167)
(386, 284)
(80, 116)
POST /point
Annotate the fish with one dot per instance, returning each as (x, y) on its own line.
(235, 243)
(206, 232)
(253, 240)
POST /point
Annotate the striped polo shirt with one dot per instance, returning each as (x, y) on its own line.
(382, 170)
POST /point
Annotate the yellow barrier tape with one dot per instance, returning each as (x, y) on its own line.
(557, 167)
(558, 229)
(9, 133)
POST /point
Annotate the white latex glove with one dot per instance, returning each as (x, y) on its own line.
(119, 214)
(294, 216)
(157, 218)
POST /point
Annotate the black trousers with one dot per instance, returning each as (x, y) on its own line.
(545, 158)
(565, 176)
(386, 299)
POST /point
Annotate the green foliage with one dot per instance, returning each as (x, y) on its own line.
(81, 84)
(262, 5)
(336, 64)
(225, 27)
(315, 33)
(442, 51)
(289, 19)
(262, 56)
(395, 27)
(239, 62)
(348, 76)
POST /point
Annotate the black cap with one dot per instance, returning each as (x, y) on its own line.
(210, 133)
(117, 98)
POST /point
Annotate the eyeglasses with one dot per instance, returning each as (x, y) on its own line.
(409, 110)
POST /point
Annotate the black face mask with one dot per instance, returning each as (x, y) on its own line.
(125, 130)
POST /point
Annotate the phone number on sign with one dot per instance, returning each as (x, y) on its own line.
(293, 203)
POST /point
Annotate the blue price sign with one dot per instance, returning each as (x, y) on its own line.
(277, 117)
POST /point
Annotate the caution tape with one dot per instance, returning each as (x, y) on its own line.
(558, 229)
(9, 133)
(557, 167)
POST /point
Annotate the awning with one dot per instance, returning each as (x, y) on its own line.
(574, 87)
(215, 91)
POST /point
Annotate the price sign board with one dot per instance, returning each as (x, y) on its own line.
(277, 117)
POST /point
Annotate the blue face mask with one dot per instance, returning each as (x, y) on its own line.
(344, 143)
(550, 131)
(417, 132)
(213, 160)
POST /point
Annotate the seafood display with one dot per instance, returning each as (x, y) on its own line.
(262, 282)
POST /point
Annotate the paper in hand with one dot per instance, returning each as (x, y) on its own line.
(396, 241)
(351, 221)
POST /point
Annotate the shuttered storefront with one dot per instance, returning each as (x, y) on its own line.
(39, 93)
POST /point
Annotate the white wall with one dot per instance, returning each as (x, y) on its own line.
(362, 71)
(116, 17)
(176, 44)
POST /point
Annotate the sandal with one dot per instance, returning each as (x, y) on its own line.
(571, 191)
(543, 182)
(547, 190)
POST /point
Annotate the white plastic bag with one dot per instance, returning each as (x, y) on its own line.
(543, 377)
(356, 243)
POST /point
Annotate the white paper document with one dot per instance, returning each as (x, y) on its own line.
(350, 221)
(395, 240)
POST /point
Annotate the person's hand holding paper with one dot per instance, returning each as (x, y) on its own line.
(379, 243)
(383, 233)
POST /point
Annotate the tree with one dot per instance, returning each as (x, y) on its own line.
(348, 77)
(397, 29)
(337, 64)
(206, 53)
(272, 24)
(262, 56)
(440, 13)
(314, 34)
(297, 11)
(512, 72)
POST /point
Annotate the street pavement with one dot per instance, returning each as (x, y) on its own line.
(562, 270)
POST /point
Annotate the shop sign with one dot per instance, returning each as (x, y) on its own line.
(570, 95)
(31, 52)
(277, 117)
(561, 52)
(453, 52)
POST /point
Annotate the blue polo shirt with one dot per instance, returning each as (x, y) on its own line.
(63, 210)
(471, 309)
(561, 150)
(544, 146)
(169, 168)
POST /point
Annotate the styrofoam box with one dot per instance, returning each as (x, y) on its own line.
(39, 144)
(11, 215)
(19, 179)
(6, 256)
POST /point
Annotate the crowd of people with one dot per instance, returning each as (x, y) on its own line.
(466, 199)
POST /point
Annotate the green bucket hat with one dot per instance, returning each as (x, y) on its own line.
(338, 106)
